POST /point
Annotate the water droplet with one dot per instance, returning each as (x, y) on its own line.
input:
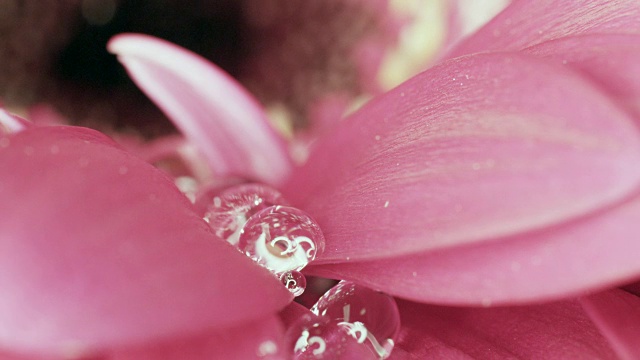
(228, 211)
(281, 238)
(294, 281)
(370, 317)
(313, 338)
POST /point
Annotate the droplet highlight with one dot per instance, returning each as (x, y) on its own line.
(281, 238)
(370, 317)
(294, 281)
(312, 338)
(230, 210)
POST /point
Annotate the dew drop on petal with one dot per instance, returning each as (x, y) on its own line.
(294, 281)
(371, 317)
(281, 238)
(312, 338)
(228, 211)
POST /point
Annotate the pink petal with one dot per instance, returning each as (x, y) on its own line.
(617, 314)
(611, 61)
(525, 23)
(554, 331)
(477, 148)
(292, 313)
(590, 253)
(209, 107)
(262, 339)
(99, 249)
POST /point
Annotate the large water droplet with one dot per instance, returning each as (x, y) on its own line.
(294, 281)
(313, 338)
(281, 238)
(370, 317)
(228, 211)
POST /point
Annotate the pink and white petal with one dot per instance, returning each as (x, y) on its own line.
(617, 314)
(211, 109)
(474, 149)
(611, 61)
(10, 123)
(591, 253)
(554, 331)
(259, 339)
(525, 23)
(100, 249)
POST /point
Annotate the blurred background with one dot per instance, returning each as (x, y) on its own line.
(308, 61)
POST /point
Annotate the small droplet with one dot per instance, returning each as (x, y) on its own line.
(313, 338)
(281, 238)
(371, 317)
(294, 281)
(228, 211)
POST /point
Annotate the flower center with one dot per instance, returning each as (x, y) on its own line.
(295, 55)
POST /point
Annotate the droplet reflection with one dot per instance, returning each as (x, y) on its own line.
(294, 281)
(281, 238)
(370, 317)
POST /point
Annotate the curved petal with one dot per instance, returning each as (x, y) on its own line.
(98, 248)
(260, 339)
(525, 23)
(474, 149)
(611, 61)
(617, 314)
(224, 121)
(590, 253)
(554, 331)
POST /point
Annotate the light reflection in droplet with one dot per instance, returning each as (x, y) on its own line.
(370, 317)
(281, 238)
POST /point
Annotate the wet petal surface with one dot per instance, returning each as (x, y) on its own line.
(474, 149)
(558, 331)
(585, 254)
(524, 23)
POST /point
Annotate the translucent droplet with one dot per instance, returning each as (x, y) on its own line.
(370, 317)
(313, 337)
(281, 238)
(294, 281)
(227, 212)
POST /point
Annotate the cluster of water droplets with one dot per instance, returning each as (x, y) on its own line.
(260, 223)
(349, 322)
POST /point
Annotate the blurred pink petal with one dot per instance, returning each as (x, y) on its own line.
(617, 314)
(525, 23)
(46, 115)
(259, 339)
(292, 313)
(99, 249)
(590, 253)
(555, 331)
(611, 61)
(217, 115)
(475, 149)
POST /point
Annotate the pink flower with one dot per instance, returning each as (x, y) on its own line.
(503, 176)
